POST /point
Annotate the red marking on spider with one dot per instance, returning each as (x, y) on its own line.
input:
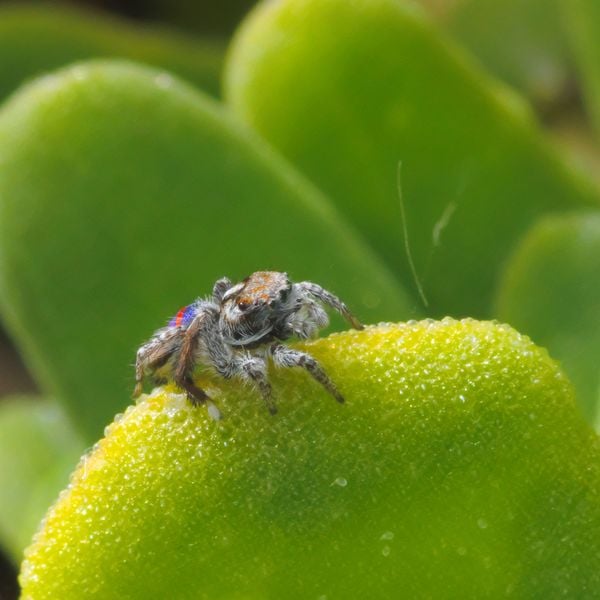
(179, 316)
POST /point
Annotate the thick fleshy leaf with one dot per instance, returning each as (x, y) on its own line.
(459, 467)
(125, 194)
(536, 60)
(584, 20)
(346, 90)
(578, 142)
(38, 450)
(36, 38)
(551, 290)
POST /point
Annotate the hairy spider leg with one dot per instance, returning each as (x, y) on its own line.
(234, 363)
(283, 356)
(255, 369)
(321, 294)
(227, 362)
(185, 359)
(231, 364)
(155, 354)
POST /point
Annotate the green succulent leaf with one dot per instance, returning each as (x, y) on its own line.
(551, 291)
(459, 467)
(38, 449)
(523, 42)
(126, 194)
(584, 19)
(35, 39)
(347, 90)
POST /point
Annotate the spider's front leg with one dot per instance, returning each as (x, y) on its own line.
(321, 294)
(288, 357)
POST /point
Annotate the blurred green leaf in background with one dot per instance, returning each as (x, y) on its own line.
(522, 42)
(36, 38)
(551, 291)
(584, 19)
(38, 448)
(349, 90)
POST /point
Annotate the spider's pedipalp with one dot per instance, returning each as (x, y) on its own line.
(220, 289)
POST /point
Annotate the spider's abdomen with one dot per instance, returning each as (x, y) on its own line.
(184, 316)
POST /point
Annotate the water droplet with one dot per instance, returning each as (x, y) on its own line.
(388, 535)
(340, 481)
(482, 523)
(386, 551)
(171, 411)
(461, 551)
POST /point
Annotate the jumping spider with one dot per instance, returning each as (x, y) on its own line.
(237, 330)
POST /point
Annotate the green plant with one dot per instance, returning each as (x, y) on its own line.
(460, 464)
(443, 477)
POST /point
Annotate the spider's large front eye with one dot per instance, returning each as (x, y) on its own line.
(243, 305)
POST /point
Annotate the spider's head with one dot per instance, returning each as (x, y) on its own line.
(250, 309)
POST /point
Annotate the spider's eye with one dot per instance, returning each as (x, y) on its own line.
(243, 305)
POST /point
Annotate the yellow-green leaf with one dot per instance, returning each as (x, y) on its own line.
(458, 468)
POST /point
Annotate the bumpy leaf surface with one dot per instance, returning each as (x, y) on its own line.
(458, 467)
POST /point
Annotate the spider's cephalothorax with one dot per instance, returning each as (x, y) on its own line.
(237, 330)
